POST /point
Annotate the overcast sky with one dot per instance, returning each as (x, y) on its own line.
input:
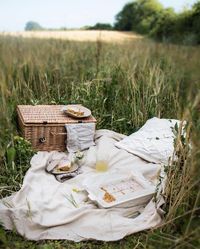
(65, 13)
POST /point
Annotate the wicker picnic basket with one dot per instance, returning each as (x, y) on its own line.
(44, 126)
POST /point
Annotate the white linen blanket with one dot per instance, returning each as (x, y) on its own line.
(41, 209)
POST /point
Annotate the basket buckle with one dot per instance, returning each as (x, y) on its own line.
(42, 139)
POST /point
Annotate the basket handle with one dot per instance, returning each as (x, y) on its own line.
(58, 134)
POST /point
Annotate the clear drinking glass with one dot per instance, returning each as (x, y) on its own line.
(101, 163)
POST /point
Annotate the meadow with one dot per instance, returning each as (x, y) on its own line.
(124, 84)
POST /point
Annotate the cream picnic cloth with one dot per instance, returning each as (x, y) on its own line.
(41, 210)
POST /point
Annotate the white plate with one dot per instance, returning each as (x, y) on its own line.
(127, 189)
(72, 169)
(81, 108)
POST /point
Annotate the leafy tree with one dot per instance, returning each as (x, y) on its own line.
(32, 26)
(138, 16)
(105, 26)
(165, 25)
(195, 16)
(101, 26)
(148, 13)
(125, 18)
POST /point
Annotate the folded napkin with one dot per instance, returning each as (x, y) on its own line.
(80, 136)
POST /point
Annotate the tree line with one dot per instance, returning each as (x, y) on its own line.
(149, 17)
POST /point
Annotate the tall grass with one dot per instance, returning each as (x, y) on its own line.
(124, 85)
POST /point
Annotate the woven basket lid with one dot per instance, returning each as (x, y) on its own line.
(48, 114)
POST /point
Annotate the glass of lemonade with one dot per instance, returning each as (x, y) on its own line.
(101, 165)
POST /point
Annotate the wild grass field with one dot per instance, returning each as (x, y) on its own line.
(124, 84)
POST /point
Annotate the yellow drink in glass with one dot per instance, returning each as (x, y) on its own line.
(101, 166)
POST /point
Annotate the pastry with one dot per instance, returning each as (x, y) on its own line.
(107, 196)
(64, 165)
(75, 112)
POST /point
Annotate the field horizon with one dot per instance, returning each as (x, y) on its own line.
(78, 35)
